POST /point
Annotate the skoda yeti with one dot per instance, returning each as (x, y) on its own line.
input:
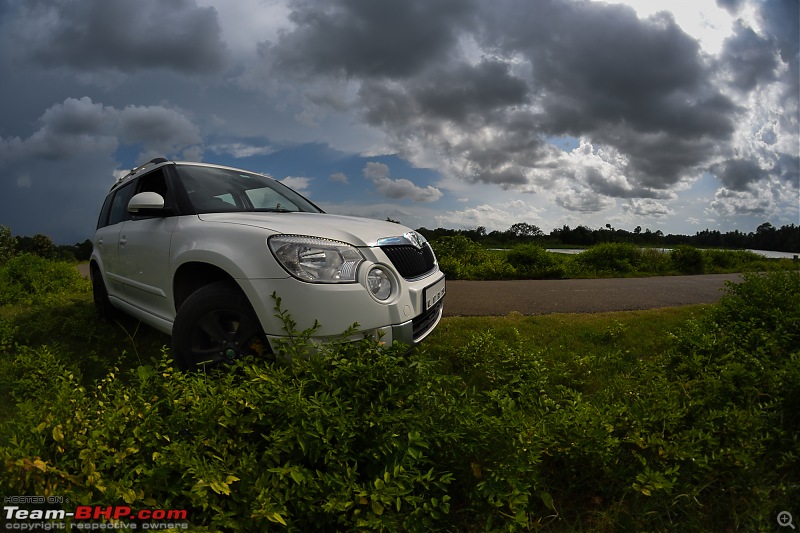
(198, 251)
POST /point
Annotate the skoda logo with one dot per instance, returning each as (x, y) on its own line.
(414, 238)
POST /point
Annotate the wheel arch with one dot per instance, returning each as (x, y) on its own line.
(191, 276)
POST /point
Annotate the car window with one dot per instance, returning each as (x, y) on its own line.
(102, 220)
(156, 182)
(266, 198)
(119, 205)
(213, 190)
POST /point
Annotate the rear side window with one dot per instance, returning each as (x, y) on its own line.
(119, 205)
(102, 220)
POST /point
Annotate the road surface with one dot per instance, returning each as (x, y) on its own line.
(536, 297)
(539, 297)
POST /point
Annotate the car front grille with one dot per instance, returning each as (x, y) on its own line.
(424, 323)
(411, 262)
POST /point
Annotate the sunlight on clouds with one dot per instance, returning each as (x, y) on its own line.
(298, 183)
(499, 217)
(399, 189)
(702, 19)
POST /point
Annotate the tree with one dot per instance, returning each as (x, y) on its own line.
(7, 244)
(523, 229)
(43, 246)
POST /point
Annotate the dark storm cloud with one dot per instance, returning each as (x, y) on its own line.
(555, 68)
(782, 21)
(78, 127)
(369, 38)
(749, 58)
(465, 90)
(738, 174)
(603, 72)
(119, 35)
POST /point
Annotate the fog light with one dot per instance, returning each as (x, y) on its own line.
(379, 283)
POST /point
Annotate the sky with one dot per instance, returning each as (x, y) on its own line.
(435, 113)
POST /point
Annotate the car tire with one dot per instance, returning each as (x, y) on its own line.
(102, 304)
(214, 325)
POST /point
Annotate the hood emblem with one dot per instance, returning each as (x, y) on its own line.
(414, 238)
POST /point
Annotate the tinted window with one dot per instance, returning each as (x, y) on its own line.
(156, 182)
(213, 190)
(119, 205)
(102, 220)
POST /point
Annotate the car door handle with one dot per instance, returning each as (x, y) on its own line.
(100, 242)
(123, 240)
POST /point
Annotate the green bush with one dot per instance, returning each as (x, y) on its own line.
(687, 259)
(493, 435)
(27, 278)
(610, 258)
(360, 439)
(532, 261)
(462, 258)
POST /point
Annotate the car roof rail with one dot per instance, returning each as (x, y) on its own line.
(136, 170)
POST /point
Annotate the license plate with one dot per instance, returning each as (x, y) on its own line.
(433, 294)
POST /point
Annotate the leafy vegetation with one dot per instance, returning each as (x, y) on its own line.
(681, 419)
(462, 258)
(765, 237)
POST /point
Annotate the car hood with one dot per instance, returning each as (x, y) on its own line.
(352, 230)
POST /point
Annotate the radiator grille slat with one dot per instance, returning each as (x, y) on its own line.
(411, 262)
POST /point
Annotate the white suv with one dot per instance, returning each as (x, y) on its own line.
(198, 251)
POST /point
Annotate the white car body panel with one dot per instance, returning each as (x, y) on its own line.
(140, 258)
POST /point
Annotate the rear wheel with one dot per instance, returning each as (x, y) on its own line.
(214, 325)
(102, 305)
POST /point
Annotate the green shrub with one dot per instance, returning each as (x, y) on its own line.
(493, 435)
(532, 261)
(459, 257)
(610, 258)
(687, 259)
(27, 278)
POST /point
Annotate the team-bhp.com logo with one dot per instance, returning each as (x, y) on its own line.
(23, 513)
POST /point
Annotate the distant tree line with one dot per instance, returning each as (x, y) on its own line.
(765, 237)
(43, 246)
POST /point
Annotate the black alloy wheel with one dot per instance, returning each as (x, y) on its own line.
(216, 324)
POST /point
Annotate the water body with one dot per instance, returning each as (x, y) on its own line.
(766, 253)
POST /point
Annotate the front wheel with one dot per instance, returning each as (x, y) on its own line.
(214, 325)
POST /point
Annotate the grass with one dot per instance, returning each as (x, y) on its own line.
(670, 419)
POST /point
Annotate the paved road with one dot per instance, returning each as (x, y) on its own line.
(539, 297)
(536, 297)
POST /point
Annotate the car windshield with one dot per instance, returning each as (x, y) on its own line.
(217, 190)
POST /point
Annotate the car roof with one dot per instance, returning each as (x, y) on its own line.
(160, 161)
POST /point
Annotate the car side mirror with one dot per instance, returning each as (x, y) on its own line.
(146, 203)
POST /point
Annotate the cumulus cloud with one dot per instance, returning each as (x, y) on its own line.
(299, 184)
(399, 189)
(79, 126)
(590, 109)
(493, 217)
(646, 208)
(395, 39)
(519, 73)
(339, 177)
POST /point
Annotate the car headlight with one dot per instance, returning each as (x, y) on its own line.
(315, 259)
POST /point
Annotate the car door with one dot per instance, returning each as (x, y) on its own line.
(144, 252)
(107, 238)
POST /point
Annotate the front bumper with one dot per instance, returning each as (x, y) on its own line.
(337, 308)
